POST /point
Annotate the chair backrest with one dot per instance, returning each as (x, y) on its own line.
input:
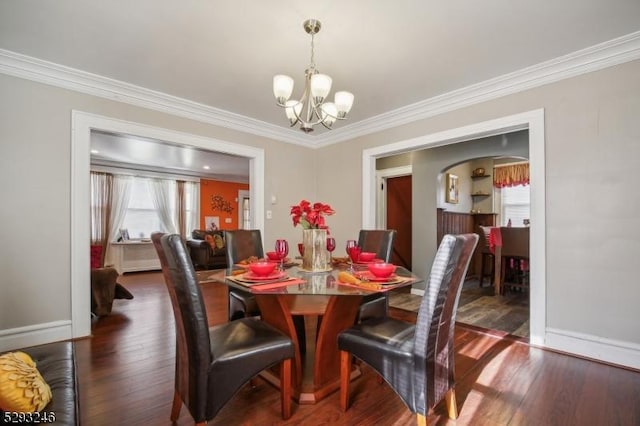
(515, 241)
(193, 353)
(243, 243)
(484, 239)
(377, 241)
(433, 344)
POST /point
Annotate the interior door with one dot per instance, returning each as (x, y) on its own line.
(399, 218)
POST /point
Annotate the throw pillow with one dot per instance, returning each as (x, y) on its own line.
(96, 256)
(22, 388)
(209, 238)
(219, 241)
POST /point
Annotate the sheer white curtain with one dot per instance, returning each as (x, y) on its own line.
(119, 204)
(163, 194)
(192, 206)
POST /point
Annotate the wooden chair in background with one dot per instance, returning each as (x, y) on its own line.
(514, 269)
(486, 256)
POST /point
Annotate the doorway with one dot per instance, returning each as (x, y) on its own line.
(533, 121)
(483, 203)
(82, 126)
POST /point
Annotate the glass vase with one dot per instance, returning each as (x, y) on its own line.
(316, 256)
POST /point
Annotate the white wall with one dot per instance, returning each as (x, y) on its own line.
(463, 172)
(592, 158)
(592, 155)
(35, 151)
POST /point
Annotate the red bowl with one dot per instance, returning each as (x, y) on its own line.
(262, 268)
(366, 256)
(382, 270)
(272, 255)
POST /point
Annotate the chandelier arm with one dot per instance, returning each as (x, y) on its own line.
(301, 120)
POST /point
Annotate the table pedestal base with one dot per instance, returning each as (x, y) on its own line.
(317, 373)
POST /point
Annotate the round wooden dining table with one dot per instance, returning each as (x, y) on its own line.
(324, 302)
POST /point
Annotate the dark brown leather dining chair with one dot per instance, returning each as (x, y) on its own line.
(242, 244)
(213, 363)
(380, 242)
(416, 360)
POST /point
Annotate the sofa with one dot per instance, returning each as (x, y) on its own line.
(207, 249)
(57, 365)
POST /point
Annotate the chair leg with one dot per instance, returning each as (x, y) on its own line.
(452, 407)
(175, 408)
(421, 420)
(285, 388)
(345, 373)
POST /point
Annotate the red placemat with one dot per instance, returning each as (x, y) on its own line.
(261, 287)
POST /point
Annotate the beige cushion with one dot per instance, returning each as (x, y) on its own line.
(22, 388)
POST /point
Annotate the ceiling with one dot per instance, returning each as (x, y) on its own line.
(129, 152)
(223, 55)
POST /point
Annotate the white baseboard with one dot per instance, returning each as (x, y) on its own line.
(611, 351)
(32, 335)
(608, 350)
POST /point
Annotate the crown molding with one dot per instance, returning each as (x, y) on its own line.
(613, 52)
(30, 68)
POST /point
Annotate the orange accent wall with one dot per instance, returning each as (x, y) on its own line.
(229, 192)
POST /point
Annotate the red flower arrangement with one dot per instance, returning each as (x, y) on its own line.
(311, 216)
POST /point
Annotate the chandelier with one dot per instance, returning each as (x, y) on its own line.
(311, 109)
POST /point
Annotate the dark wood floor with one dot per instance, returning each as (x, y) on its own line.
(480, 307)
(126, 377)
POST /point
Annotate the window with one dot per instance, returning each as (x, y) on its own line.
(141, 218)
(192, 199)
(246, 214)
(515, 205)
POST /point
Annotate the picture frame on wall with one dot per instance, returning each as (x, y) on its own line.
(451, 191)
(212, 223)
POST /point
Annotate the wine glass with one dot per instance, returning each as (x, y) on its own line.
(352, 248)
(282, 249)
(331, 246)
(350, 244)
(301, 249)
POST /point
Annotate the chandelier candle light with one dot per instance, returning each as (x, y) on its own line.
(311, 109)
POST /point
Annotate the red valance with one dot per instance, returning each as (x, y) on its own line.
(513, 175)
